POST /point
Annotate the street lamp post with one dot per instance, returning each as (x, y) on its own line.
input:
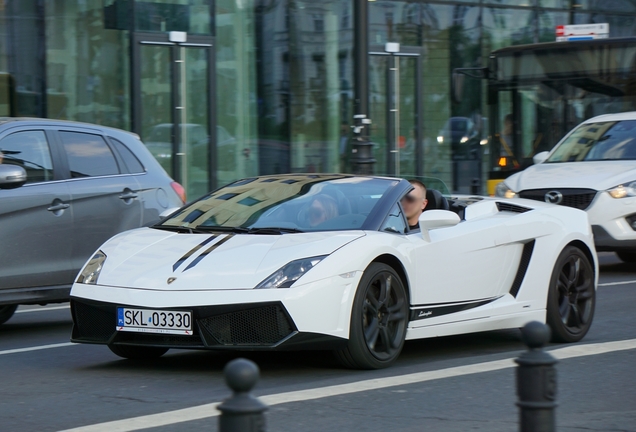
(362, 159)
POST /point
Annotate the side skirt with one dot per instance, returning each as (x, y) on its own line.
(500, 322)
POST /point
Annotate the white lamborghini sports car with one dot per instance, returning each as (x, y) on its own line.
(329, 262)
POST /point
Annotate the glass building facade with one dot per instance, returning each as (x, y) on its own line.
(224, 89)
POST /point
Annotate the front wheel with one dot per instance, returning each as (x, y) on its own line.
(378, 320)
(7, 312)
(571, 297)
(134, 352)
(627, 257)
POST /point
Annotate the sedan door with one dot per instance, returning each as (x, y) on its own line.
(104, 196)
(36, 222)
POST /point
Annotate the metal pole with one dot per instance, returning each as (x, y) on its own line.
(241, 412)
(536, 381)
(362, 157)
(396, 93)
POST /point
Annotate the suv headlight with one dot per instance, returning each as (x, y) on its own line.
(624, 190)
(285, 276)
(502, 190)
(91, 270)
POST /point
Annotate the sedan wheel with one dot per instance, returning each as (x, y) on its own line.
(133, 352)
(572, 296)
(627, 257)
(378, 320)
(7, 312)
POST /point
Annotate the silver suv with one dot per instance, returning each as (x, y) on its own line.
(65, 188)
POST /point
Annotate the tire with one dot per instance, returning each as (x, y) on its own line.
(571, 297)
(627, 257)
(379, 318)
(135, 352)
(6, 312)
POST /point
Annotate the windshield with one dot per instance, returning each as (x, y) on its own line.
(289, 203)
(598, 141)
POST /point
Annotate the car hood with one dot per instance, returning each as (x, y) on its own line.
(597, 175)
(149, 258)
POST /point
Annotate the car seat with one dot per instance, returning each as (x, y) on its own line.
(436, 201)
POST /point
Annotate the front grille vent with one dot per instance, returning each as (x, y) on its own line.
(93, 323)
(265, 325)
(577, 198)
(169, 340)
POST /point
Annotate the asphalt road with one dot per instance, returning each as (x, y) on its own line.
(462, 383)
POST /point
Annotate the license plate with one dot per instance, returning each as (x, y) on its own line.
(154, 321)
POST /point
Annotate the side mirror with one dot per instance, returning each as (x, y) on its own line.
(540, 157)
(433, 219)
(12, 176)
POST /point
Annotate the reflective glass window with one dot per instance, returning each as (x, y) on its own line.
(30, 150)
(619, 25)
(87, 64)
(131, 161)
(190, 16)
(88, 155)
(394, 21)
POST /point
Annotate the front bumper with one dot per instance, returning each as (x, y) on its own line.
(611, 221)
(313, 315)
(256, 326)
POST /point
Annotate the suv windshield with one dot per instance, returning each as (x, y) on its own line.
(598, 141)
(289, 203)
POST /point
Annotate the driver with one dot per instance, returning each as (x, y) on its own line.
(414, 203)
(322, 208)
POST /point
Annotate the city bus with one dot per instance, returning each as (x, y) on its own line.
(537, 93)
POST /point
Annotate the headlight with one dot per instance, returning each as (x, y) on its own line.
(502, 190)
(440, 139)
(464, 139)
(623, 191)
(91, 270)
(285, 276)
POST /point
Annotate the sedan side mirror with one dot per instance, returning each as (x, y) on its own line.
(432, 219)
(12, 176)
(540, 157)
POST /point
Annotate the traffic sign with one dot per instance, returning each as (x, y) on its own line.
(574, 32)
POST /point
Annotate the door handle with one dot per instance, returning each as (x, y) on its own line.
(58, 207)
(128, 196)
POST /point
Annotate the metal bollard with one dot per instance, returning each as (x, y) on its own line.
(241, 412)
(536, 381)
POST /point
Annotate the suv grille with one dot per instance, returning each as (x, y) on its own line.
(265, 325)
(577, 198)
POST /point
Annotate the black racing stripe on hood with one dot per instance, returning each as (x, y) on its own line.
(192, 252)
(207, 251)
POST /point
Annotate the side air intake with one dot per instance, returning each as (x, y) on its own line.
(504, 206)
(523, 267)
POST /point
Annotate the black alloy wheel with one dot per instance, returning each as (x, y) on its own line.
(572, 296)
(136, 352)
(378, 320)
(7, 312)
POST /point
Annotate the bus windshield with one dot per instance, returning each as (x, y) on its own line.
(598, 141)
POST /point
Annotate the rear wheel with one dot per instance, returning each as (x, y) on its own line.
(7, 312)
(572, 296)
(378, 320)
(628, 257)
(134, 352)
